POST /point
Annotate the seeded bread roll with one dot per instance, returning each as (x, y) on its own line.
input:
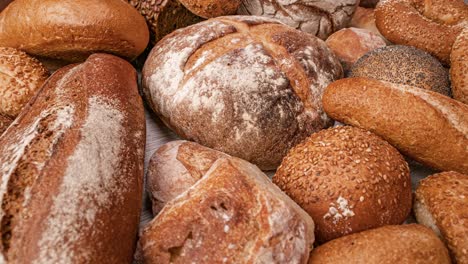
(404, 244)
(72, 168)
(441, 204)
(459, 68)
(234, 214)
(212, 8)
(426, 126)
(319, 18)
(348, 180)
(247, 86)
(403, 65)
(71, 30)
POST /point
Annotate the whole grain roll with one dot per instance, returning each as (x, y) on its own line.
(441, 204)
(404, 65)
(212, 8)
(404, 244)
(247, 86)
(71, 30)
(319, 18)
(459, 67)
(348, 180)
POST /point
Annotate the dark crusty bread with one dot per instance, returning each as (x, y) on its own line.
(212, 8)
(247, 86)
(72, 168)
(403, 244)
(427, 126)
(348, 180)
(234, 214)
(459, 67)
(71, 30)
(441, 204)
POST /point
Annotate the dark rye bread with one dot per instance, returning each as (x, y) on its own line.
(72, 168)
(247, 86)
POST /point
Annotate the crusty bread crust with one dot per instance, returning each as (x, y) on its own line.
(71, 168)
(425, 125)
(459, 67)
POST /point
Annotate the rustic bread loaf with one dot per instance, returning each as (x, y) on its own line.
(320, 18)
(72, 168)
(175, 167)
(234, 214)
(247, 86)
(212, 8)
(427, 126)
(459, 67)
(404, 65)
(71, 30)
(441, 204)
(403, 244)
(348, 180)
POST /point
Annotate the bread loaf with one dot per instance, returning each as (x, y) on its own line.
(459, 67)
(71, 30)
(212, 8)
(71, 167)
(428, 127)
(234, 214)
(247, 86)
(441, 204)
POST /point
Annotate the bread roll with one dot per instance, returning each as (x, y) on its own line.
(175, 167)
(247, 86)
(72, 168)
(441, 204)
(428, 127)
(364, 18)
(234, 214)
(404, 65)
(403, 244)
(350, 44)
(21, 76)
(71, 30)
(319, 18)
(459, 69)
(348, 180)
(212, 8)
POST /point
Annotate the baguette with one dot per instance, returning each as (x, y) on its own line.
(425, 125)
(71, 168)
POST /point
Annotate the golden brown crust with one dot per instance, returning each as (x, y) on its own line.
(445, 196)
(71, 163)
(427, 126)
(212, 8)
(423, 24)
(71, 30)
(348, 180)
(405, 244)
(459, 67)
(234, 214)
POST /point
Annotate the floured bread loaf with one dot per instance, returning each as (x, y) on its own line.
(234, 214)
(247, 86)
(320, 18)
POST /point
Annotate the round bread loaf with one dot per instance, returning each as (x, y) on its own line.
(212, 8)
(404, 65)
(21, 76)
(368, 3)
(71, 30)
(441, 204)
(459, 67)
(403, 244)
(320, 18)
(349, 44)
(348, 180)
(247, 86)
(428, 25)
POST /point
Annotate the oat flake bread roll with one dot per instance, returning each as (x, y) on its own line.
(71, 30)
(247, 86)
(404, 244)
(234, 214)
(71, 168)
(441, 204)
(319, 18)
(425, 125)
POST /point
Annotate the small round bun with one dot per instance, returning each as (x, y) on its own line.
(348, 180)
(403, 244)
(212, 8)
(21, 76)
(459, 67)
(403, 65)
(428, 25)
(442, 204)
